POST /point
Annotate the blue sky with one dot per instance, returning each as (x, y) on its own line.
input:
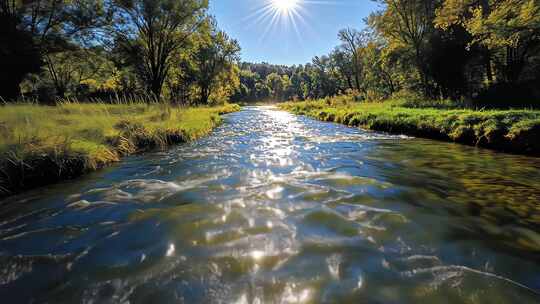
(281, 43)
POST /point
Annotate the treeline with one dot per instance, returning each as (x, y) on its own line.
(484, 51)
(85, 49)
(267, 82)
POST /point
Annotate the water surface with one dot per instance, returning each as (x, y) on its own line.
(277, 208)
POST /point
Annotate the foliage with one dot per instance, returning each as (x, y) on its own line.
(261, 82)
(484, 52)
(88, 49)
(70, 70)
(212, 60)
(352, 41)
(509, 30)
(30, 30)
(150, 32)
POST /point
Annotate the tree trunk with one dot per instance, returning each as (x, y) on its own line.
(515, 64)
(10, 89)
(356, 74)
(349, 82)
(421, 70)
(357, 80)
(204, 96)
(156, 87)
(61, 91)
(489, 72)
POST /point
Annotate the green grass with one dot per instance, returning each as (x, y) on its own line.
(44, 144)
(516, 131)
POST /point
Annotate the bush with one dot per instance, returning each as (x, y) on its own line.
(505, 96)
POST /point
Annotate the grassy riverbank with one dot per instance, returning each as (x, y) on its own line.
(515, 131)
(40, 145)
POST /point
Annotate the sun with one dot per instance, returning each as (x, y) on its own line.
(281, 15)
(285, 6)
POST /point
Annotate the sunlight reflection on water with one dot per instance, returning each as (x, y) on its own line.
(277, 208)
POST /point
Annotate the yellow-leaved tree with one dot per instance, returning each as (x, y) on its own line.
(509, 30)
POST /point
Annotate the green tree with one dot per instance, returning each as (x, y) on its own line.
(508, 29)
(297, 84)
(382, 70)
(215, 54)
(153, 31)
(31, 30)
(352, 41)
(324, 81)
(408, 24)
(68, 70)
(345, 65)
(248, 89)
(263, 91)
(275, 84)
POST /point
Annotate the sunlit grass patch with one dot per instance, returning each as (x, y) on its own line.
(44, 144)
(516, 131)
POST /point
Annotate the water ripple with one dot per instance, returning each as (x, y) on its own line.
(276, 208)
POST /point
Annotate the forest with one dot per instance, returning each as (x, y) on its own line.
(485, 53)
(100, 50)
(482, 52)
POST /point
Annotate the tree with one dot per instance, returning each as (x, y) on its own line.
(508, 29)
(382, 70)
(447, 61)
(324, 82)
(344, 63)
(153, 31)
(408, 24)
(68, 70)
(248, 89)
(214, 54)
(31, 30)
(297, 84)
(274, 82)
(352, 41)
(18, 54)
(226, 83)
(263, 92)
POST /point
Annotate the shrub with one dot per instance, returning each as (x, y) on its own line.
(506, 96)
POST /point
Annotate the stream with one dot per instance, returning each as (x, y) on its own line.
(278, 208)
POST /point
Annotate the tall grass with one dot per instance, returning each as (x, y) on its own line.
(516, 131)
(42, 144)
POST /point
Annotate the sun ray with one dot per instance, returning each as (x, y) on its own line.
(296, 30)
(285, 6)
(263, 16)
(256, 13)
(284, 11)
(274, 19)
(281, 16)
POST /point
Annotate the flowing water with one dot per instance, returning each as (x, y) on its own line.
(277, 208)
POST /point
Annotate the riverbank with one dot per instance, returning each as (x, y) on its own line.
(513, 131)
(40, 145)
